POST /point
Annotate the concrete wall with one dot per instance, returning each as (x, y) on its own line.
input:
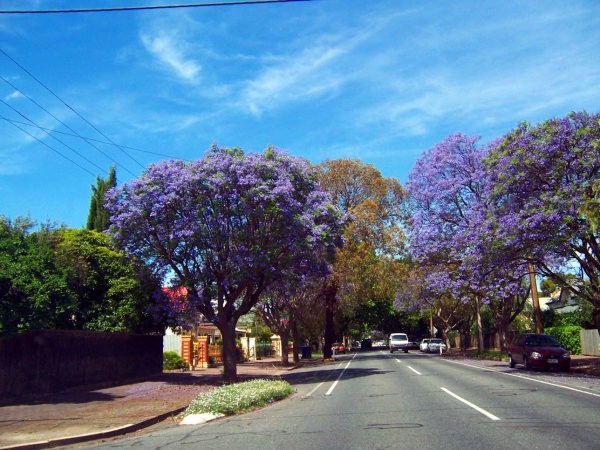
(43, 362)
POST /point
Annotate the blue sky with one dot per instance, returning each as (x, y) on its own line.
(378, 80)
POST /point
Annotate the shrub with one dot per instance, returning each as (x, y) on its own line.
(172, 361)
(568, 336)
(239, 397)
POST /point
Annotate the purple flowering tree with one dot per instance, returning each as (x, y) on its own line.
(450, 237)
(541, 177)
(226, 227)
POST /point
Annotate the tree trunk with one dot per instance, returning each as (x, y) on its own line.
(330, 294)
(285, 348)
(480, 345)
(295, 338)
(229, 352)
(596, 317)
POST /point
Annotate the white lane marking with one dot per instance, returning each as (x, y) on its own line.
(418, 373)
(522, 377)
(313, 391)
(323, 382)
(475, 407)
(338, 379)
(398, 360)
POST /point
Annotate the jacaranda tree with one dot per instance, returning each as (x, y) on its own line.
(450, 236)
(543, 175)
(226, 226)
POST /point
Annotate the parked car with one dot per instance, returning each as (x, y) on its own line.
(434, 344)
(338, 347)
(538, 351)
(423, 345)
(398, 341)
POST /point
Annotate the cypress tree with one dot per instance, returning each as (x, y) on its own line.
(98, 215)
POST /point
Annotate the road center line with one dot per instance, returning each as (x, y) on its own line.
(323, 382)
(475, 407)
(338, 379)
(418, 373)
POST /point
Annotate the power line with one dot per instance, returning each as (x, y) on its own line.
(93, 140)
(64, 103)
(141, 8)
(56, 118)
(42, 142)
(53, 137)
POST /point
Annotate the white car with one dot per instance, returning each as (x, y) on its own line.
(434, 346)
(423, 345)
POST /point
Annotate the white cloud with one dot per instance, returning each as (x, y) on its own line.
(172, 53)
(296, 78)
(14, 95)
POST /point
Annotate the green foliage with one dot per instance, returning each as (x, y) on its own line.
(57, 278)
(239, 397)
(547, 287)
(581, 318)
(568, 336)
(114, 291)
(172, 361)
(33, 287)
(98, 215)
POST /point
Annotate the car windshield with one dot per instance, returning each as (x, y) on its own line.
(541, 340)
(398, 338)
(435, 341)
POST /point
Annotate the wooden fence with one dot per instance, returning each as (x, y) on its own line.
(590, 340)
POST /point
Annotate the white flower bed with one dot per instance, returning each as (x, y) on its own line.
(239, 397)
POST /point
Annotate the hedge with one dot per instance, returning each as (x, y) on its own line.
(568, 337)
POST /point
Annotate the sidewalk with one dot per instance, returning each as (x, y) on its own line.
(80, 416)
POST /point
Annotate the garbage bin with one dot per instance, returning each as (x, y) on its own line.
(306, 352)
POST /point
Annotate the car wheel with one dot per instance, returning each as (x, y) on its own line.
(391, 351)
(526, 363)
(511, 362)
(567, 369)
(405, 350)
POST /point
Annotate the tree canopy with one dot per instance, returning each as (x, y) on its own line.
(227, 226)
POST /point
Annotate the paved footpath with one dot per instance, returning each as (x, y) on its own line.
(85, 415)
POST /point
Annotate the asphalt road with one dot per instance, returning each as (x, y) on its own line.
(378, 400)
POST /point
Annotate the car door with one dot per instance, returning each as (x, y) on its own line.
(518, 349)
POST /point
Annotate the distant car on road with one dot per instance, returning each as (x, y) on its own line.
(366, 344)
(538, 351)
(338, 347)
(423, 345)
(413, 343)
(434, 344)
(398, 341)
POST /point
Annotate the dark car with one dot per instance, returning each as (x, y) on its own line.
(366, 343)
(538, 351)
(413, 343)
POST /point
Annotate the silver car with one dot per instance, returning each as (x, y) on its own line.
(423, 345)
(436, 346)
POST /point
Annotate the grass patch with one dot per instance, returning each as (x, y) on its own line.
(239, 397)
(491, 355)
